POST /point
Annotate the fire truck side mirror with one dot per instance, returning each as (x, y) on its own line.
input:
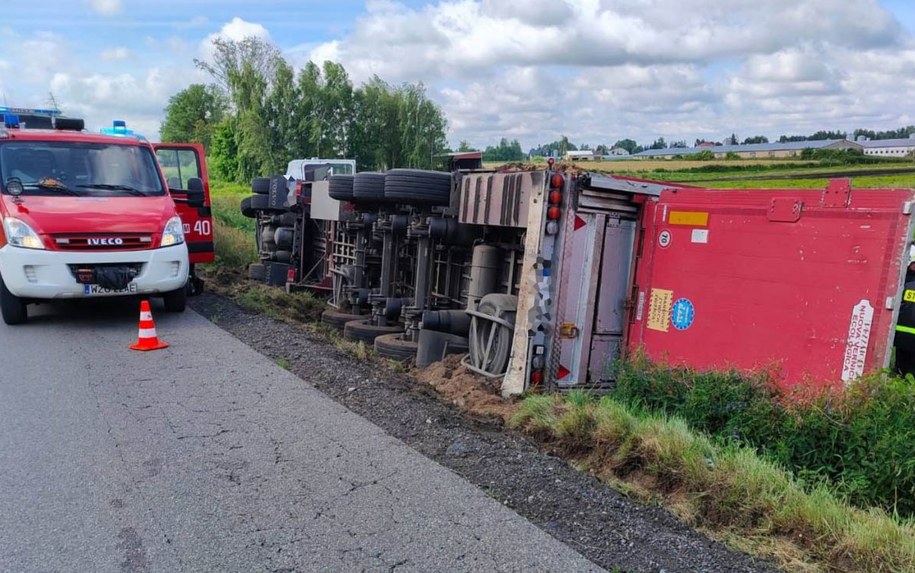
(195, 195)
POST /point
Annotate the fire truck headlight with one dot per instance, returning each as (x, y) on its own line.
(19, 234)
(173, 234)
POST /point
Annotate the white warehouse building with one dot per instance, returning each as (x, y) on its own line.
(888, 147)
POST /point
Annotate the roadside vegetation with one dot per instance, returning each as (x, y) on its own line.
(818, 482)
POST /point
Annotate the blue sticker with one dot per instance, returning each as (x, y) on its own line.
(682, 314)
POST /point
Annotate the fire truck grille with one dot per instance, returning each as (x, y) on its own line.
(124, 242)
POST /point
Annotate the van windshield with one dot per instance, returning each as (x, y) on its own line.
(78, 168)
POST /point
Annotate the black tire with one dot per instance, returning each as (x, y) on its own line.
(434, 346)
(260, 185)
(282, 256)
(260, 202)
(278, 193)
(366, 331)
(368, 187)
(340, 187)
(13, 308)
(417, 187)
(257, 272)
(246, 209)
(175, 301)
(283, 237)
(395, 347)
(339, 319)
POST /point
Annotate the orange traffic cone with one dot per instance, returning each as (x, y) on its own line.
(147, 339)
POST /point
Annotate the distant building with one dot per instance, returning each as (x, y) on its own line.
(753, 150)
(618, 152)
(586, 155)
(888, 147)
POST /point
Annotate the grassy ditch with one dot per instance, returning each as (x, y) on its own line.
(723, 488)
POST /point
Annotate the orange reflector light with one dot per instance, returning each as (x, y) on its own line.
(536, 377)
(290, 275)
(553, 213)
(555, 197)
(556, 180)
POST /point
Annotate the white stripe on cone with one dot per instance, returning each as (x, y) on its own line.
(145, 316)
(147, 333)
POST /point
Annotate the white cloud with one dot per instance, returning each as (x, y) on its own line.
(120, 53)
(598, 70)
(237, 29)
(106, 7)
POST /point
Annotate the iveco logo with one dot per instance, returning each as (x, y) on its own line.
(106, 241)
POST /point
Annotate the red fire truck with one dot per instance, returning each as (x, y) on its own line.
(92, 215)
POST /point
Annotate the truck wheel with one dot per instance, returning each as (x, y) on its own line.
(340, 187)
(366, 331)
(12, 307)
(368, 187)
(246, 209)
(338, 319)
(395, 347)
(284, 220)
(260, 185)
(176, 300)
(277, 193)
(268, 238)
(257, 272)
(417, 187)
(260, 202)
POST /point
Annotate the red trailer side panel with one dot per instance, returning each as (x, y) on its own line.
(806, 281)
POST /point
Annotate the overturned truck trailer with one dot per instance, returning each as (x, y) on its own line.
(546, 278)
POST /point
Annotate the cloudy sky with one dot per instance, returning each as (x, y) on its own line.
(594, 70)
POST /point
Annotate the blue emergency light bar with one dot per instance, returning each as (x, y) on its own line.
(119, 128)
(28, 111)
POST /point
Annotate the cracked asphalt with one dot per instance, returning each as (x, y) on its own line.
(208, 456)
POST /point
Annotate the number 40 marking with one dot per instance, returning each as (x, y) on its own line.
(203, 227)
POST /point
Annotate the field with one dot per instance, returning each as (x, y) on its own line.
(761, 173)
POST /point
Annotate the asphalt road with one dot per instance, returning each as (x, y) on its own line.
(207, 456)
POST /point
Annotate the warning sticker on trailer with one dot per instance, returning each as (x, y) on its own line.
(659, 306)
(859, 334)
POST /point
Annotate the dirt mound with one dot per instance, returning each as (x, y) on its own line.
(468, 391)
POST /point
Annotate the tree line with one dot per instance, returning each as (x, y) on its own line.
(259, 113)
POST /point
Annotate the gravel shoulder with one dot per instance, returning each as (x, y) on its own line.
(575, 508)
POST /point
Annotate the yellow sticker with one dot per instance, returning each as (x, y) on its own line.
(659, 309)
(694, 218)
(908, 295)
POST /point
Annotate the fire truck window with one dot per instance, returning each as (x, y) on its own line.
(179, 165)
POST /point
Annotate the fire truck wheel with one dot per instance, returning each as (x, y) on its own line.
(340, 187)
(257, 272)
(260, 202)
(12, 307)
(368, 187)
(246, 208)
(282, 256)
(260, 185)
(417, 187)
(366, 331)
(338, 319)
(176, 300)
(283, 237)
(395, 347)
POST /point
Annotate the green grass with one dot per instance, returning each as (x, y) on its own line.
(233, 233)
(725, 489)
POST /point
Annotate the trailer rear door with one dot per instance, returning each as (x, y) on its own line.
(803, 281)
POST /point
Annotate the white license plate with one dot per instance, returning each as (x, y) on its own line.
(90, 290)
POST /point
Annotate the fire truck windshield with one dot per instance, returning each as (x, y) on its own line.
(79, 168)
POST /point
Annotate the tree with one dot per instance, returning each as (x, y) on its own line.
(192, 114)
(505, 151)
(463, 146)
(659, 143)
(629, 145)
(678, 144)
(602, 149)
(756, 139)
